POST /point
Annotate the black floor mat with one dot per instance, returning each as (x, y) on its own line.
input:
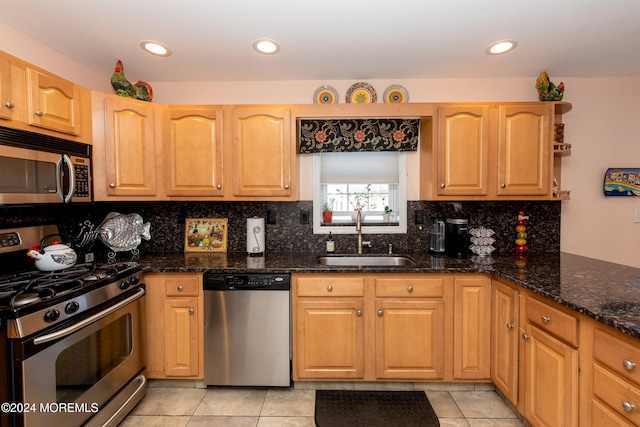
(337, 408)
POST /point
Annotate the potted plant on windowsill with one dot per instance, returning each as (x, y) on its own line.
(387, 213)
(327, 212)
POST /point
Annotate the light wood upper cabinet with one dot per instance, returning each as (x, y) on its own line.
(6, 99)
(193, 151)
(126, 139)
(54, 103)
(525, 154)
(262, 155)
(463, 150)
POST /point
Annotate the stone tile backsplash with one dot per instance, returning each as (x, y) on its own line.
(287, 234)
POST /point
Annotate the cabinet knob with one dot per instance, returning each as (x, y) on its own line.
(8, 104)
(525, 337)
(359, 312)
(329, 288)
(509, 325)
(442, 185)
(410, 289)
(629, 407)
(180, 288)
(379, 312)
(286, 186)
(503, 185)
(628, 364)
(219, 186)
(545, 319)
(112, 185)
(191, 311)
(39, 113)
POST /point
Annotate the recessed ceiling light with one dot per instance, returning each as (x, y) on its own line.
(155, 48)
(500, 47)
(266, 46)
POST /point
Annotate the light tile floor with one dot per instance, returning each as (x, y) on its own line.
(457, 405)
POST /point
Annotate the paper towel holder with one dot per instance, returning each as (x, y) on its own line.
(255, 236)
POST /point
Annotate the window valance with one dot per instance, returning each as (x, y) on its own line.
(344, 135)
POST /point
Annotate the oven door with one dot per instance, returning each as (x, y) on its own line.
(71, 374)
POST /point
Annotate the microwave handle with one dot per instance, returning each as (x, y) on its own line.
(72, 179)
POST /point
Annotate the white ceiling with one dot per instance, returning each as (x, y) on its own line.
(211, 40)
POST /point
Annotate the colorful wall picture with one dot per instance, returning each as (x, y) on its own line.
(205, 235)
(622, 182)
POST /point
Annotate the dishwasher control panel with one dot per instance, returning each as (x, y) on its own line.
(212, 282)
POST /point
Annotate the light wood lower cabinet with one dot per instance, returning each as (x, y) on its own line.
(175, 324)
(505, 324)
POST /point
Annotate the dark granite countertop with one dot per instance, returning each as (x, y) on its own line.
(604, 291)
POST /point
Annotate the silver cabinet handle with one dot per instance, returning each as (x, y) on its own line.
(629, 407)
(329, 288)
(410, 289)
(191, 311)
(503, 185)
(379, 312)
(509, 325)
(219, 186)
(286, 186)
(8, 104)
(39, 113)
(359, 312)
(442, 185)
(628, 364)
(180, 288)
(112, 185)
(545, 319)
(525, 336)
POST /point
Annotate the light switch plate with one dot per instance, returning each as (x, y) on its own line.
(636, 217)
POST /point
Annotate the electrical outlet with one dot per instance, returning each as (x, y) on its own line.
(636, 217)
(304, 217)
(419, 218)
(271, 217)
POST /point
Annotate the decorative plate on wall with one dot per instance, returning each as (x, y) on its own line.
(396, 94)
(361, 93)
(325, 95)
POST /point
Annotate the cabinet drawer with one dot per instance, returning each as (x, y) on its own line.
(330, 286)
(617, 355)
(410, 287)
(561, 324)
(603, 416)
(617, 393)
(182, 286)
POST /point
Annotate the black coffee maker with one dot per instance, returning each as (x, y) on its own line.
(456, 240)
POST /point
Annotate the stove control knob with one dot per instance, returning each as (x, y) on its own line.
(51, 315)
(71, 307)
(124, 284)
(134, 280)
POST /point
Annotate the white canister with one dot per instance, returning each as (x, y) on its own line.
(255, 235)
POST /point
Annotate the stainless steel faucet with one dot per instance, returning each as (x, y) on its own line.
(361, 243)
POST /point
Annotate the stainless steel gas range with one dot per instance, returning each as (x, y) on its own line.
(71, 341)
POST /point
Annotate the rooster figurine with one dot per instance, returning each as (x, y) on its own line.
(547, 91)
(123, 87)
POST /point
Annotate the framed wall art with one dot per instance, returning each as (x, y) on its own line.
(622, 182)
(205, 235)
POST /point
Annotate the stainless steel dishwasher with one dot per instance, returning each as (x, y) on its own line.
(247, 332)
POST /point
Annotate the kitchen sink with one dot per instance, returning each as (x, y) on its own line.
(366, 260)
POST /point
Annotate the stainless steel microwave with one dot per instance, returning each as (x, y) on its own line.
(36, 168)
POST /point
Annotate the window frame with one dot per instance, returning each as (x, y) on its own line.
(401, 211)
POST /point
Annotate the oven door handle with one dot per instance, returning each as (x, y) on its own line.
(71, 329)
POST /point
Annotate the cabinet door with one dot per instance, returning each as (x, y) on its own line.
(54, 103)
(463, 150)
(472, 326)
(329, 339)
(551, 380)
(261, 152)
(504, 340)
(409, 339)
(181, 337)
(6, 102)
(524, 150)
(193, 151)
(129, 147)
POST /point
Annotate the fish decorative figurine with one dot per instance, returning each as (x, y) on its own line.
(123, 232)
